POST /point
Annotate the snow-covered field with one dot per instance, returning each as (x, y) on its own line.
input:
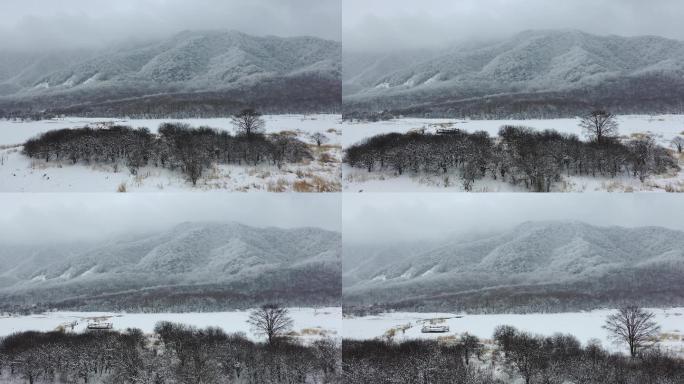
(21, 174)
(583, 325)
(663, 128)
(309, 323)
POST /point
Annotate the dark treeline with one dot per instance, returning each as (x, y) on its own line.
(647, 286)
(293, 94)
(176, 353)
(176, 146)
(633, 96)
(309, 286)
(519, 155)
(515, 355)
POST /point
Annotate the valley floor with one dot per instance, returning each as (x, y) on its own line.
(309, 323)
(585, 326)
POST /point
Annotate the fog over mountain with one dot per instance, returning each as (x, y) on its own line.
(199, 72)
(192, 266)
(39, 26)
(534, 73)
(535, 266)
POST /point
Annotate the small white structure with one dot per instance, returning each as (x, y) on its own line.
(100, 326)
(434, 328)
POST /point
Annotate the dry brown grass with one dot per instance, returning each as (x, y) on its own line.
(121, 188)
(303, 174)
(279, 185)
(323, 185)
(449, 339)
(639, 135)
(288, 133)
(677, 187)
(390, 333)
(302, 186)
(328, 147)
(312, 331)
(335, 131)
(327, 158)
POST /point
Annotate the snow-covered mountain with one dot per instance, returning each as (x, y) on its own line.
(218, 63)
(230, 262)
(533, 262)
(569, 65)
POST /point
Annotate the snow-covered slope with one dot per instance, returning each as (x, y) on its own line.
(189, 62)
(539, 257)
(227, 257)
(549, 61)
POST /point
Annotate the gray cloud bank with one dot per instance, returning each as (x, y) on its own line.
(389, 217)
(30, 25)
(75, 217)
(409, 24)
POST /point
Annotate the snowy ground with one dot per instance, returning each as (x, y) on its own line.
(583, 325)
(21, 174)
(309, 323)
(662, 128)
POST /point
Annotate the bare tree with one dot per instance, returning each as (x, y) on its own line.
(526, 355)
(319, 138)
(678, 143)
(271, 320)
(470, 345)
(249, 123)
(632, 325)
(599, 125)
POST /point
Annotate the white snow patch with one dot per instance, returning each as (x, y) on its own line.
(90, 271)
(430, 271)
(407, 274)
(433, 79)
(66, 274)
(92, 78)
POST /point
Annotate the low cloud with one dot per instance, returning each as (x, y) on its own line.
(408, 24)
(29, 25)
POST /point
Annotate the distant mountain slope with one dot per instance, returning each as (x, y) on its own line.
(535, 266)
(548, 71)
(217, 265)
(185, 67)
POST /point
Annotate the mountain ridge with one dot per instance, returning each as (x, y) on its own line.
(225, 256)
(187, 63)
(530, 256)
(577, 67)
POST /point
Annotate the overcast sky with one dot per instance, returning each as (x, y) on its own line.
(68, 217)
(410, 24)
(383, 217)
(41, 24)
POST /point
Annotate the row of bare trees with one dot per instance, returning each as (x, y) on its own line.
(175, 146)
(521, 355)
(176, 353)
(518, 155)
